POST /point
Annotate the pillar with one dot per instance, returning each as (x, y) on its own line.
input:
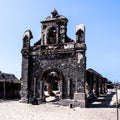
(25, 66)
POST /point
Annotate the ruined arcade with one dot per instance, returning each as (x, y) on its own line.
(55, 62)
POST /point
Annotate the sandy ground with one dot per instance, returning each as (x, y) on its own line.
(13, 110)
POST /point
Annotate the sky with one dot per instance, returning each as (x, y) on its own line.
(100, 17)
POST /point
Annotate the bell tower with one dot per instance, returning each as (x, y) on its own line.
(54, 29)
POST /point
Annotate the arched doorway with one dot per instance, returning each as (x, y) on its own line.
(53, 84)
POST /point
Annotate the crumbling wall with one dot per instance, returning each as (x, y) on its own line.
(9, 86)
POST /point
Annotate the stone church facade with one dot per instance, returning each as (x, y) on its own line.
(54, 59)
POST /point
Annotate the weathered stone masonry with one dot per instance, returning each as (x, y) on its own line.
(57, 59)
(96, 84)
(54, 53)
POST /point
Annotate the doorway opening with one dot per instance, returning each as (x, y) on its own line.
(52, 85)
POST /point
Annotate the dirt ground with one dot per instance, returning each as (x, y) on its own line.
(101, 109)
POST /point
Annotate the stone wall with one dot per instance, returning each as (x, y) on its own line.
(96, 84)
(56, 57)
(9, 86)
(54, 52)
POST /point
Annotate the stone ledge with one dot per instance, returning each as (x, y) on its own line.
(79, 96)
(23, 100)
(74, 103)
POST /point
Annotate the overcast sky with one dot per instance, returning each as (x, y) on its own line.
(101, 18)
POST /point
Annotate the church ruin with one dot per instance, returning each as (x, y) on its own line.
(55, 66)
(54, 59)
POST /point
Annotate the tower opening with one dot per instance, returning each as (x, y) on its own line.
(51, 36)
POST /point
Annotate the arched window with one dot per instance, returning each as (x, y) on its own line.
(80, 36)
(51, 39)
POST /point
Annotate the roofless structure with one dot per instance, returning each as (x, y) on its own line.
(54, 59)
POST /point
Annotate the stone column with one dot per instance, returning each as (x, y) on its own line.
(41, 98)
(97, 85)
(103, 86)
(25, 66)
(24, 80)
(80, 47)
(61, 89)
(80, 80)
(100, 85)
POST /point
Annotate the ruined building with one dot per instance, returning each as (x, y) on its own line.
(55, 66)
(95, 85)
(9, 86)
(55, 62)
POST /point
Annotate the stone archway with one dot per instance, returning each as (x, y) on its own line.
(53, 84)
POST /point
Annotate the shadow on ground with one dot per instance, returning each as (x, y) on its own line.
(103, 101)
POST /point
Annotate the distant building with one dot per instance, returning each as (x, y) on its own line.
(9, 86)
